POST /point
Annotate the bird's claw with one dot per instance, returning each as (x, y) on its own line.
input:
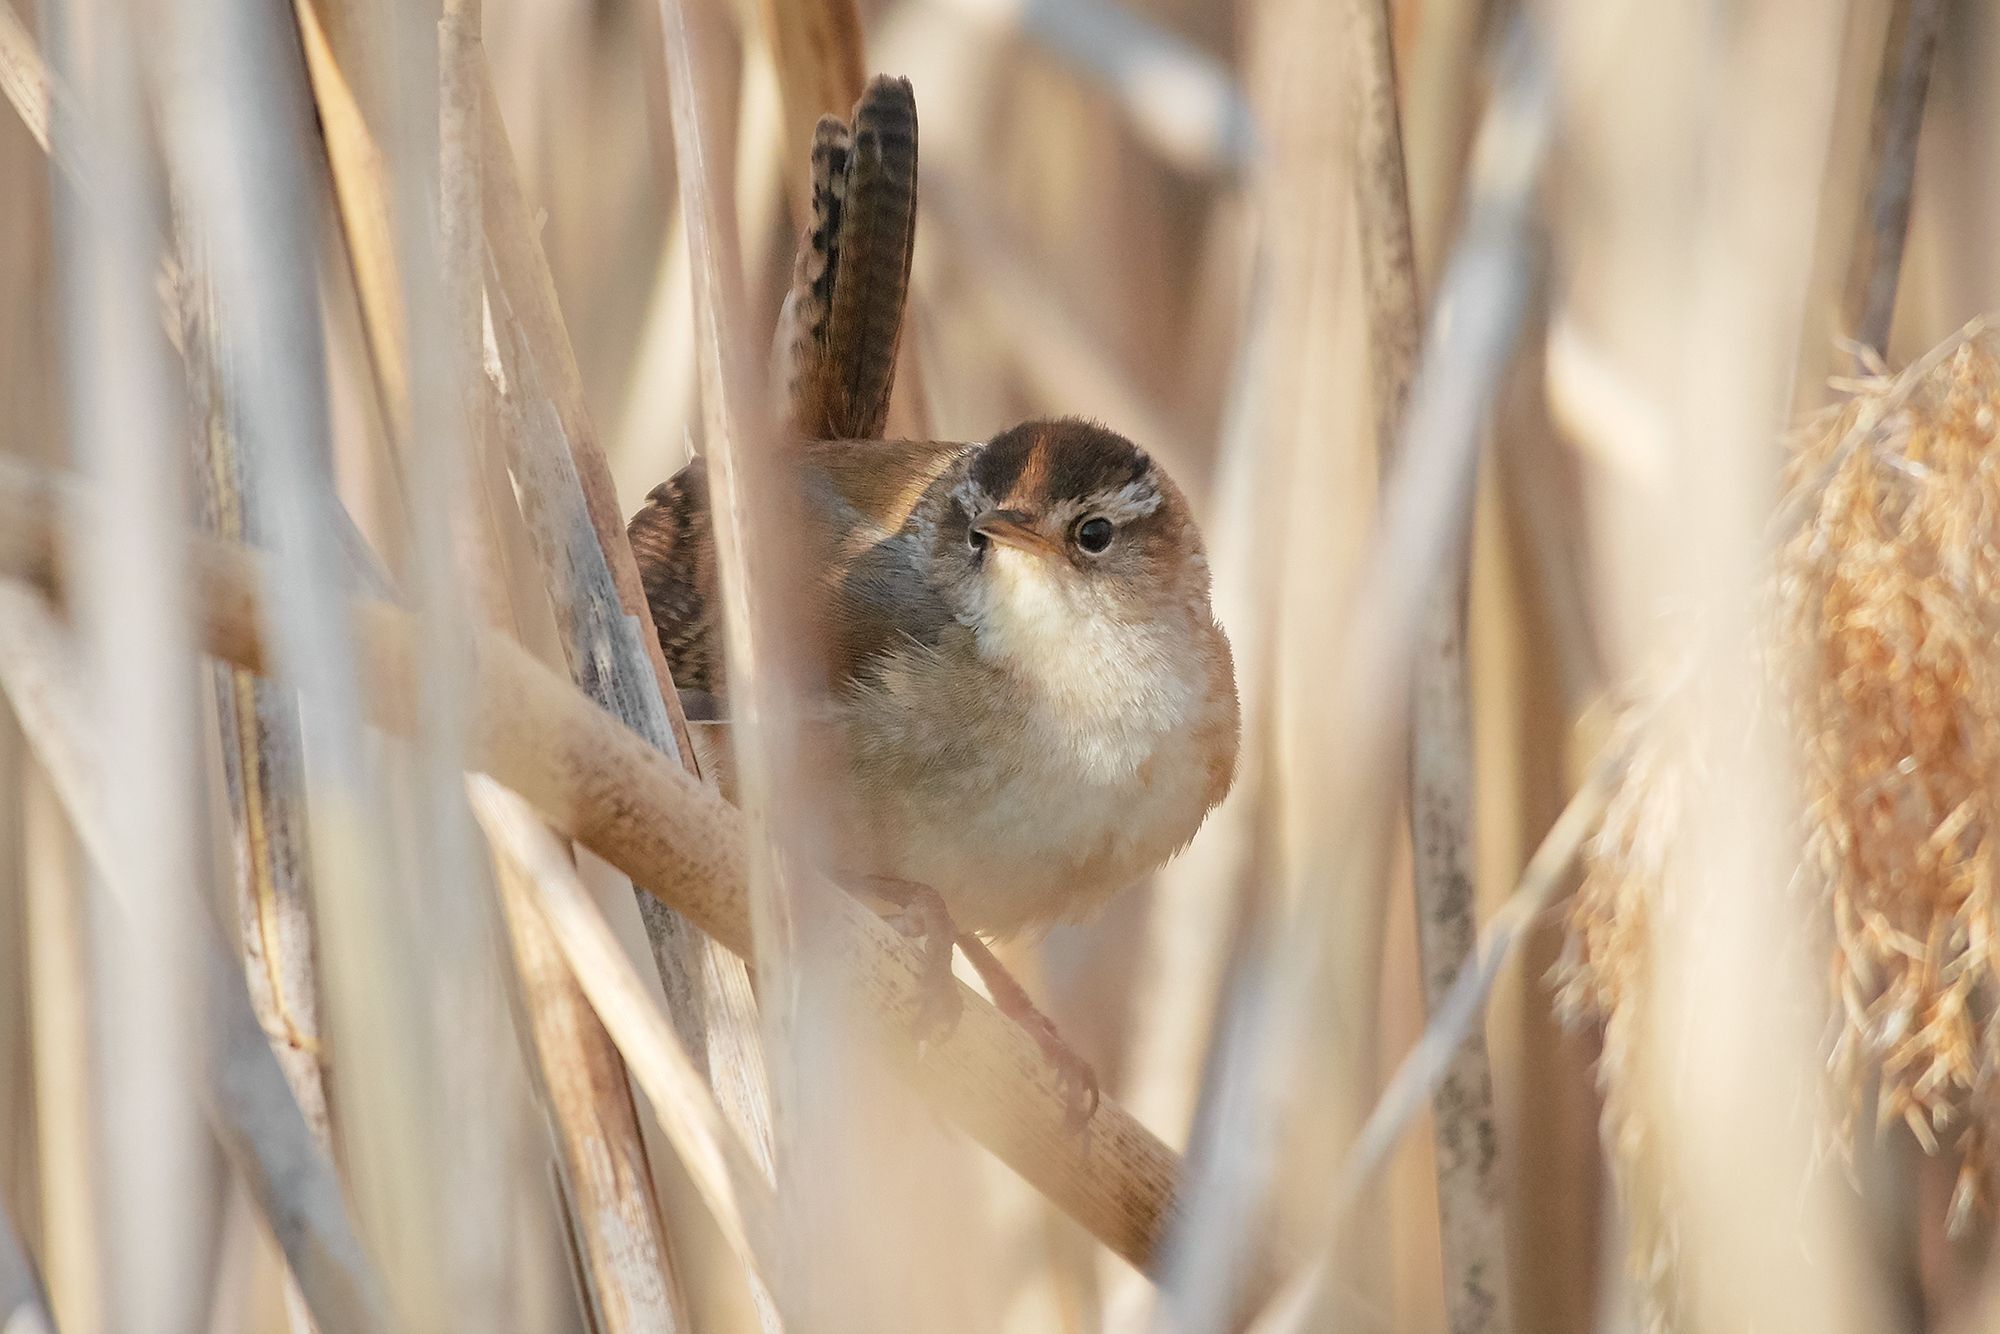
(924, 918)
(1075, 1077)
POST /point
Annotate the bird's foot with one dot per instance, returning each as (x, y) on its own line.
(919, 912)
(1075, 1077)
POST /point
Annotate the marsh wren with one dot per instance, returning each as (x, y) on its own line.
(1031, 695)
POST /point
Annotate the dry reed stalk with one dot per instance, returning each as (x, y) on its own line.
(358, 176)
(732, 1183)
(844, 1148)
(605, 625)
(146, 1018)
(247, 176)
(1538, 672)
(253, 241)
(1441, 764)
(1869, 300)
(1461, 1009)
(615, 1213)
(248, 1104)
(628, 1271)
(1441, 94)
(19, 1183)
(606, 628)
(1487, 285)
(24, 79)
(58, 980)
(631, 1279)
(1296, 1022)
(262, 758)
(615, 1220)
(261, 746)
(607, 633)
(23, 1309)
(602, 786)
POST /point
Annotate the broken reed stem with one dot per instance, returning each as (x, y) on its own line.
(615, 1219)
(262, 753)
(603, 620)
(1441, 762)
(1869, 301)
(595, 781)
(248, 1104)
(583, 478)
(604, 623)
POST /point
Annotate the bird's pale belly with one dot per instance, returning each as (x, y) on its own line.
(1038, 840)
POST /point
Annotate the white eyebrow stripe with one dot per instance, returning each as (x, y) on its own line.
(1134, 500)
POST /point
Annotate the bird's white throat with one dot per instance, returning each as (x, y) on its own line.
(1110, 685)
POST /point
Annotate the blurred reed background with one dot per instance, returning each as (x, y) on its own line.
(1477, 330)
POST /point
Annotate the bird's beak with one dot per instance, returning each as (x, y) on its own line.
(1010, 528)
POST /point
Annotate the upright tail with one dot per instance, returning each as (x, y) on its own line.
(843, 319)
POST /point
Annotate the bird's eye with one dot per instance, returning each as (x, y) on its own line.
(1094, 535)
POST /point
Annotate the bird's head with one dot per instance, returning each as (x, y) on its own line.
(1061, 533)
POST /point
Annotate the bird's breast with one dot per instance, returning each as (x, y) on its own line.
(1025, 799)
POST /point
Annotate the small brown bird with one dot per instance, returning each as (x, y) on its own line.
(1030, 692)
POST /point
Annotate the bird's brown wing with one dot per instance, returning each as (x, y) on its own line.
(674, 546)
(843, 319)
(879, 496)
(861, 495)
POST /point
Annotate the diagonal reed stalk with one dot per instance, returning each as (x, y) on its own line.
(594, 781)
